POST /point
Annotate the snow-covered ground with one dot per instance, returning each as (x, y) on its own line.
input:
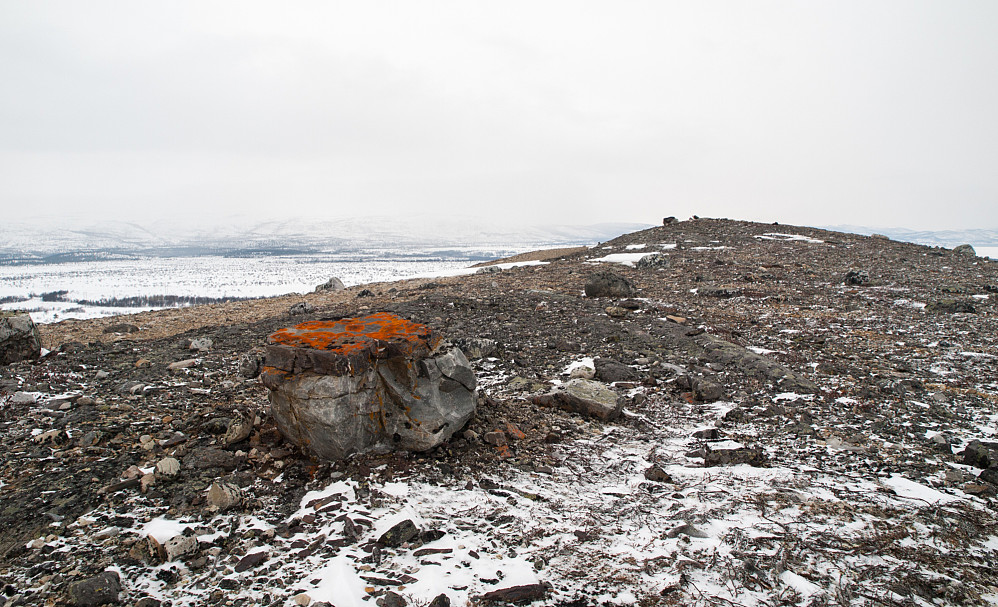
(209, 276)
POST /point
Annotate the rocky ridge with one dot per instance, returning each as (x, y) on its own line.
(805, 417)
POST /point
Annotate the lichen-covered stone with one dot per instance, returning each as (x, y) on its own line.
(19, 338)
(377, 382)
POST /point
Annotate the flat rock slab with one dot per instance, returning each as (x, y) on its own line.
(377, 382)
(583, 396)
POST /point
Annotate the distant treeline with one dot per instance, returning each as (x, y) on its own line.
(142, 301)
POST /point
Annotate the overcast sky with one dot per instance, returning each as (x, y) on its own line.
(818, 113)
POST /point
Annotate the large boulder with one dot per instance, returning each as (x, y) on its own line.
(373, 383)
(19, 338)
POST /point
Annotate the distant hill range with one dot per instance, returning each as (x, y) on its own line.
(81, 241)
(940, 238)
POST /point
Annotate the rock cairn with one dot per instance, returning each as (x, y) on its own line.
(373, 383)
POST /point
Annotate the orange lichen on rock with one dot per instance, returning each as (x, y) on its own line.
(351, 334)
(347, 345)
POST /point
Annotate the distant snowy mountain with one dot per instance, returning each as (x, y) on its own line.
(110, 239)
(940, 238)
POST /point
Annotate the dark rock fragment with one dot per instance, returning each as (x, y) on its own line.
(611, 371)
(399, 534)
(857, 278)
(732, 457)
(209, 457)
(441, 600)
(517, 594)
(706, 390)
(980, 455)
(102, 589)
(657, 475)
(250, 561)
(951, 306)
(990, 476)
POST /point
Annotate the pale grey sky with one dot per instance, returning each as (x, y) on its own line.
(867, 113)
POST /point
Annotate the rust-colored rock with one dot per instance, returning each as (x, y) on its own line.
(376, 382)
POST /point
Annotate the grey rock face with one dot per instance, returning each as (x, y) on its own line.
(583, 396)
(19, 338)
(386, 395)
(606, 283)
(965, 250)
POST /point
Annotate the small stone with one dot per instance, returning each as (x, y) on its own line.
(223, 495)
(679, 320)
(657, 475)
(496, 438)
(37, 543)
(392, 599)
(653, 261)
(300, 308)
(146, 481)
(85, 401)
(687, 530)
(201, 344)
(706, 390)
(239, 430)
(441, 600)
(857, 278)
(182, 364)
(102, 374)
(166, 419)
(399, 534)
(616, 312)
(168, 466)
(583, 372)
(143, 363)
(24, 398)
(333, 284)
(179, 546)
(121, 327)
(302, 599)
